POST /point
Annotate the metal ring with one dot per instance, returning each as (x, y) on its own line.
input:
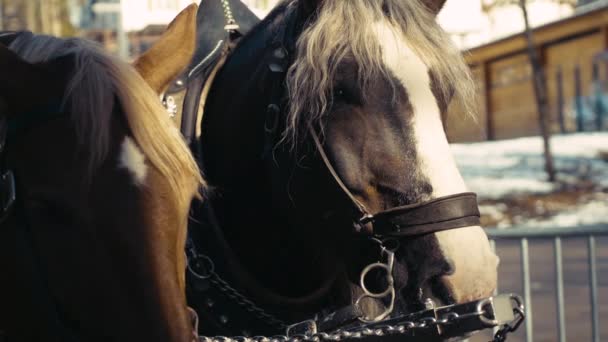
(389, 279)
(482, 317)
(382, 315)
(209, 271)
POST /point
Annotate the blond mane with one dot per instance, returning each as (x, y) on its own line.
(342, 29)
(100, 82)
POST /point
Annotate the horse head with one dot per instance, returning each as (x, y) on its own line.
(93, 246)
(379, 95)
(323, 142)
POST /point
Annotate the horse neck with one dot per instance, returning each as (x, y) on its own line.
(258, 218)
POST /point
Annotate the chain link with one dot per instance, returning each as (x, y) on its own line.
(228, 13)
(376, 331)
(244, 302)
(203, 268)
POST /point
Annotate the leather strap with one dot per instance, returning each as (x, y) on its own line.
(444, 213)
(358, 205)
(449, 212)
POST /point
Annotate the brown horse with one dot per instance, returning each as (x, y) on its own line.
(92, 248)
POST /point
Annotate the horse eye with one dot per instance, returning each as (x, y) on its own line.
(346, 95)
(339, 94)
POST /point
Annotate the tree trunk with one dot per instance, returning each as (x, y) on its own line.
(540, 94)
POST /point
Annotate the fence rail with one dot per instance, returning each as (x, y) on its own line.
(524, 234)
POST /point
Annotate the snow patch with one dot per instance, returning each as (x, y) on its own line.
(513, 167)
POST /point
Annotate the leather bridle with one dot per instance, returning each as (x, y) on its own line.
(443, 213)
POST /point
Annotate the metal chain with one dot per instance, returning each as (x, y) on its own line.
(196, 266)
(244, 302)
(228, 13)
(501, 334)
(377, 331)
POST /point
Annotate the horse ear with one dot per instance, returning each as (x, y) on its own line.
(163, 62)
(434, 6)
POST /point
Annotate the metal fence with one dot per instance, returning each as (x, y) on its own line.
(556, 234)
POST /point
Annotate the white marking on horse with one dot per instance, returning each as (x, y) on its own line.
(132, 159)
(433, 150)
(472, 279)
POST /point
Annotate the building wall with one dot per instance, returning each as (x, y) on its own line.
(39, 16)
(469, 127)
(574, 54)
(567, 57)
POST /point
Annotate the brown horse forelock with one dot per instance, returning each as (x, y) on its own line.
(108, 251)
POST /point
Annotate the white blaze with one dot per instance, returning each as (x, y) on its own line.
(132, 159)
(433, 151)
(467, 248)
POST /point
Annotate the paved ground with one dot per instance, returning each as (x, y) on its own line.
(576, 288)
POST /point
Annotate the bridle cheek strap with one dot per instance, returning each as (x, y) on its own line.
(439, 214)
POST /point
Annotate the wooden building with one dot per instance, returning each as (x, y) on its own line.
(573, 54)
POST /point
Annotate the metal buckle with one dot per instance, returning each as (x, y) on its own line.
(170, 106)
(7, 194)
(509, 322)
(308, 327)
(231, 27)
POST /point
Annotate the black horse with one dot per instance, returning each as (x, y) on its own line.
(324, 148)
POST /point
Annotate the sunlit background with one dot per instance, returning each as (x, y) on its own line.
(471, 22)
